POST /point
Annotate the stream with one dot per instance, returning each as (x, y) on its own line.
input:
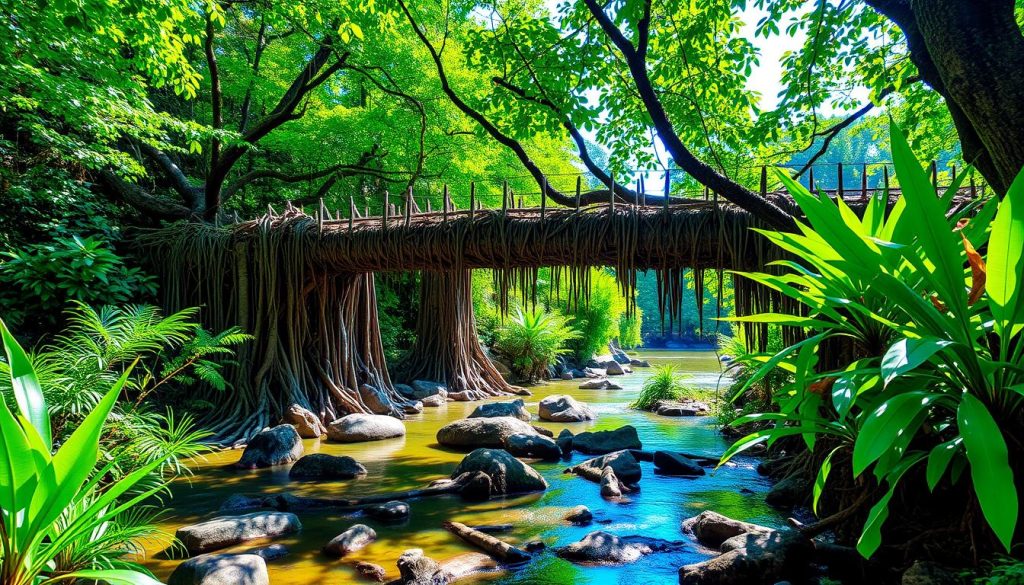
(415, 460)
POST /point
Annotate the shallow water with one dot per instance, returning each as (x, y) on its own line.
(417, 459)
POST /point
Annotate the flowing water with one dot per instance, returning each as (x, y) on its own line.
(413, 461)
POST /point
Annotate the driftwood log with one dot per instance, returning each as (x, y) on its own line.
(498, 549)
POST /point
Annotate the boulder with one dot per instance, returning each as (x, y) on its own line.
(614, 368)
(476, 486)
(639, 363)
(564, 442)
(354, 428)
(393, 511)
(508, 474)
(405, 390)
(564, 408)
(601, 442)
(611, 487)
(600, 384)
(515, 408)
(532, 546)
(322, 466)
(378, 401)
(413, 407)
(757, 558)
(417, 569)
(371, 572)
(712, 529)
(482, 432)
(355, 538)
(242, 569)
(308, 425)
(620, 356)
(536, 446)
(277, 446)
(579, 515)
(269, 553)
(670, 463)
(467, 396)
(626, 468)
(566, 375)
(789, 492)
(434, 401)
(607, 549)
(228, 531)
(423, 388)
(929, 573)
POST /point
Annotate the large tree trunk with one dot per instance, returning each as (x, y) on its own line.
(447, 345)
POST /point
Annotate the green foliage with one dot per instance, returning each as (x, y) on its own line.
(667, 383)
(532, 340)
(42, 278)
(1003, 570)
(939, 328)
(485, 307)
(629, 330)
(597, 321)
(62, 521)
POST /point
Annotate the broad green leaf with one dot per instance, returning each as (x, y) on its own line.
(990, 467)
(27, 392)
(819, 482)
(938, 461)
(871, 537)
(1005, 262)
(907, 354)
(889, 423)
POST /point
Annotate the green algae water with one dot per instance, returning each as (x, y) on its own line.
(415, 460)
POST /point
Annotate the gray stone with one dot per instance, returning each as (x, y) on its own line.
(355, 538)
(535, 446)
(712, 529)
(639, 363)
(322, 466)
(532, 546)
(467, 396)
(378, 401)
(305, 422)
(417, 569)
(354, 428)
(564, 408)
(789, 492)
(601, 442)
(610, 485)
(764, 558)
(929, 573)
(622, 462)
(508, 474)
(371, 572)
(423, 388)
(269, 553)
(242, 569)
(607, 549)
(614, 368)
(414, 407)
(434, 401)
(515, 408)
(476, 486)
(482, 432)
(566, 375)
(579, 515)
(228, 531)
(393, 511)
(405, 390)
(670, 463)
(565, 443)
(278, 446)
(600, 384)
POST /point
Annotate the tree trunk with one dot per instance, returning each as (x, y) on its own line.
(447, 346)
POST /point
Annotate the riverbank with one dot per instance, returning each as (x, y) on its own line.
(416, 459)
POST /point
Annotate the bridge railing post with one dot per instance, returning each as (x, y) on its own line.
(840, 192)
(543, 198)
(472, 200)
(579, 190)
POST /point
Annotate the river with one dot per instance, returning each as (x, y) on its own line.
(416, 459)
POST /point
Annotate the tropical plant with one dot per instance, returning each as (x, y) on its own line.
(61, 521)
(629, 329)
(936, 330)
(1002, 570)
(667, 383)
(532, 340)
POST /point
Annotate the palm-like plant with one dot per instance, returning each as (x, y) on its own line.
(533, 340)
(59, 519)
(667, 383)
(938, 328)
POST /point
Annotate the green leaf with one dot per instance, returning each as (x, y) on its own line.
(871, 537)
(27, 391)
(907, 354)
(819, 482)
(1005, 262)
(990, 467)
(938, 461)
(893, 421)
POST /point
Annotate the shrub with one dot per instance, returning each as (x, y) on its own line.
(667, 383)
(629, 330)
(533, 340)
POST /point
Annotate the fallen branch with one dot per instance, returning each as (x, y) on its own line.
(498, 549)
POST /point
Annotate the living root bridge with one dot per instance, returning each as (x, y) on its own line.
(304, 287)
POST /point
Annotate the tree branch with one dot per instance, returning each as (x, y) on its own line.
(152, 205)
(216, 100)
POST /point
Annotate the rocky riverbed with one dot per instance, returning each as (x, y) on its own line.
(652, 514)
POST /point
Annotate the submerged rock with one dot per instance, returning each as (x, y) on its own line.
(228, 531)
(680, 408)
(790, 491)
(277, 446)
(269, 553)
(604, 548)
(393, 511)
(623, 463)
(468, 396)
(753, 558)
(417, 569)
(229, 569)
(601, 442)
(536, 446)
(508, 474)
(611, 487)
(482, 432)
(322, 466)
(515, 408)
(355, 538)
(434, 401)
(675, 464)
(308, 425)
(600, 384)
(712, 529)
(359, 427)
(564, 408)
(579, 515)
(636, 363)
(564, 442)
